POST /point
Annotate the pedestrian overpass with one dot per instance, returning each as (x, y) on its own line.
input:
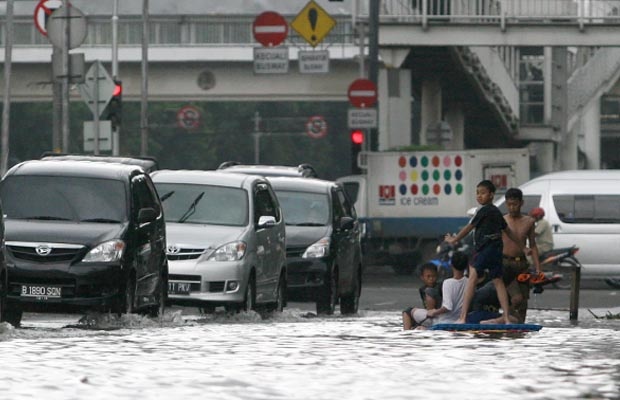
(527, 71)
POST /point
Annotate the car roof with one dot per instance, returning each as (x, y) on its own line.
(200, 177)
(83, 169)
(147, 163)
(302, 170)
(302, 184)
(585, 174)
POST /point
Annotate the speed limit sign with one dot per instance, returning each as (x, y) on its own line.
(316, 127)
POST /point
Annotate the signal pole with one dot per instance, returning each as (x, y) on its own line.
(116, 131)
(144, 128)
(6, 109)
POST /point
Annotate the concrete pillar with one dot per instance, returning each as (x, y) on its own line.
(591, 134)
(395, 110)
(544, 157)
(455, 117)
(431, 106)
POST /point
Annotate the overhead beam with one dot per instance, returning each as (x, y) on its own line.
(454, 34)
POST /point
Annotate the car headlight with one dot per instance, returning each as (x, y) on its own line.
(233, 251)
(317, 249)
(106, 252)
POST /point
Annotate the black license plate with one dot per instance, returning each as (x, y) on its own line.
(179, 287)
(41, 291)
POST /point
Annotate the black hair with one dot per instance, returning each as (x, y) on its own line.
(514, 194)
(488, 185)
(428, 267)
(459, 261)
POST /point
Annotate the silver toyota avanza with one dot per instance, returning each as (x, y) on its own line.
(225, 240)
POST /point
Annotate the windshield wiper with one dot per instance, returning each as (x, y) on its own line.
(309, 224)
(48, 218)
(104, 220)
(166, 196)
(191, 209)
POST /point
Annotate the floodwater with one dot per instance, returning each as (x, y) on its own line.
(296, 355)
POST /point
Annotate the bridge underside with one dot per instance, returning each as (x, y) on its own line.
(483, 128)
(406, 34)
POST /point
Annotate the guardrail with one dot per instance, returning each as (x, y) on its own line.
(502, 12)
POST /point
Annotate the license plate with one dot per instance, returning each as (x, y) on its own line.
(179, 287)
(41, 291)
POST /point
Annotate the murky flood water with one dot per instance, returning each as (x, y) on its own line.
(293, 356)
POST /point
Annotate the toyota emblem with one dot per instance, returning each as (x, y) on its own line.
(172, 249)
(43, 249)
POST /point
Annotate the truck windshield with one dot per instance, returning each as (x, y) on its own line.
(64, 198)
(204, 204)
(304, 209)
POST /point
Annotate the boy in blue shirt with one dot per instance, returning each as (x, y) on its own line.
(488, 224)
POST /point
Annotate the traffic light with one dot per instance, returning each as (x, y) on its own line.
(115, 106)
(357, 141)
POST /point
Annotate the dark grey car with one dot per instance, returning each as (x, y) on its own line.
(323, 252)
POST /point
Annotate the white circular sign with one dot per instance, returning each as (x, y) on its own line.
(316, 127)
(77, 27)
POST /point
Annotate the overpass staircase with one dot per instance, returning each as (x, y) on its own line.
(484, 36)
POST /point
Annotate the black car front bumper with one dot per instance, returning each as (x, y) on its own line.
(35, 286)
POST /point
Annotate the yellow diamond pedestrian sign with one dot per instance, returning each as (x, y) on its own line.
(313, 23)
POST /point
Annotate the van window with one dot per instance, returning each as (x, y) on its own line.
(588, 209)
(529, 202)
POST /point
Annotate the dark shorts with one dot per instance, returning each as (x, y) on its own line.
(489, 258)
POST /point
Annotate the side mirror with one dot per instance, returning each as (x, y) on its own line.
(266, 221)
(347, 223)
(146, 215)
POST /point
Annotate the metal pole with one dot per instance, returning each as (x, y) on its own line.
(65, 78)
(373, 60)
(256, 135)
(115, 133)
(144, 133)
(56, 107)
(96, 96)
(6, 104)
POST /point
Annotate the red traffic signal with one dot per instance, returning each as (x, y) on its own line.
(357, 136)
(118, 89)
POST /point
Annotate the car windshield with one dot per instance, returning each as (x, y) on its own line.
(64, 198)
(204, 204)
(304, 209)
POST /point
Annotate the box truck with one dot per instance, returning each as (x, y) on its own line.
(407, 201)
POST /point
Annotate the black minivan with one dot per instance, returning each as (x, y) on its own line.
(82, 235)
(323, 252)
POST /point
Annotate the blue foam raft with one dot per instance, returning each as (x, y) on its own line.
(487, 327)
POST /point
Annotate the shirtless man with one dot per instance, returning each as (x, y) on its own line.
(514, 259)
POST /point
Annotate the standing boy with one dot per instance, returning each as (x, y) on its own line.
(488, 224)
(514, 260)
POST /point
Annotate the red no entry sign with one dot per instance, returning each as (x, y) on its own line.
(362, 93)
(270, 28)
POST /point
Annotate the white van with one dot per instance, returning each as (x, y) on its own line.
(583, 208)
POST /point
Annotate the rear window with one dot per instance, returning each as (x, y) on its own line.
(64, 199)
(203, 204)
(352, 190)
(588, 209)
(304, 209)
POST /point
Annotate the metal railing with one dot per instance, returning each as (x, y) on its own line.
(502, 12)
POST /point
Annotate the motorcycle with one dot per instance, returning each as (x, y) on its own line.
(560, 262)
